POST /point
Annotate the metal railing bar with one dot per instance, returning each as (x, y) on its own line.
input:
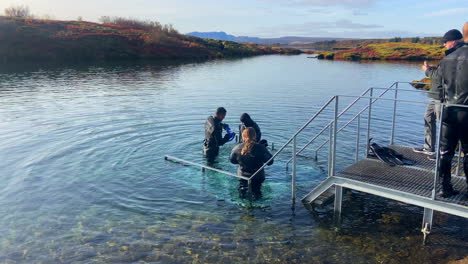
(295, 134)
(415, 82)
(459, 159)
(342, 113)
(404, 90)
(392, 136)
(404, 101)
(344, 126)
(181, 161)
(437, 165)
(335, 133)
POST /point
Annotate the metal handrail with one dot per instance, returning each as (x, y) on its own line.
(345, 126)
(293, 137)
(365, 108)
(342, 113)
(327, 126)
(404, 101)
(404, 90)
(203, 167)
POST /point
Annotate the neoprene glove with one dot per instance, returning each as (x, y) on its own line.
(227, 137)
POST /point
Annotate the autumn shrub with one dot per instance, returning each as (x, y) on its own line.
(19, 11)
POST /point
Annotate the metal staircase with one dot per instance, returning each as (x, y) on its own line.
(416, 185)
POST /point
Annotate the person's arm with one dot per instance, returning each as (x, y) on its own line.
(431, 72)
(437, 82)
(209, 127)
(267, 156)
(258, 132)
(234, 155)
(226, 137)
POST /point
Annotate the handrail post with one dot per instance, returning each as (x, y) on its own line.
(356, 159)
(294, 171)
(369, 122)
(457, 173)
(437, 165)
(249, 182)
(330, 150)
(335, 134)
(392, 137)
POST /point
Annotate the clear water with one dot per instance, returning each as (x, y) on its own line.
(83, 177)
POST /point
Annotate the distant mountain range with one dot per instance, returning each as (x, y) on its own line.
(264, 41)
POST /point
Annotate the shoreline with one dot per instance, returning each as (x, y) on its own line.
(399, 51)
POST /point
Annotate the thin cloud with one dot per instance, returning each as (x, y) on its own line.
(312, 27)
(340, 28)
(446, 12)
(359, 13)
(347, 3)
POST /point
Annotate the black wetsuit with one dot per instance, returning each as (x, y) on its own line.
(453, 77)
(249, 164)
(248, 122)
(213, 137)
(254, 125)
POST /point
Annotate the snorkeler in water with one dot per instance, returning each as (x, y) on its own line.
(250, 156)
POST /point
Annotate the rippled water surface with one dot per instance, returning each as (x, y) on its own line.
(83, 177)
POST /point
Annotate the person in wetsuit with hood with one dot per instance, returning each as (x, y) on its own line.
(453, 79)
(246, 121)
(214, 134)
(250, 156)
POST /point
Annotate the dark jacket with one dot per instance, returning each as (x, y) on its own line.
(258, 132)
(250, 163)
(453, 76)
(214, 134)
(436, 91)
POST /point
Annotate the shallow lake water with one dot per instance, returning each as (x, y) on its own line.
(83, 177)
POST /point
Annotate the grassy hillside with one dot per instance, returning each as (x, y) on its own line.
(24, 39)
(334, 45)
(387, 51)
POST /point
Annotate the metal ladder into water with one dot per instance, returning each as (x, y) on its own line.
(416, 185)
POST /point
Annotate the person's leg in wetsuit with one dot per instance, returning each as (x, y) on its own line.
(256, 187)
(463, 121)
(430, 127)
(454, 128)
(211, 154)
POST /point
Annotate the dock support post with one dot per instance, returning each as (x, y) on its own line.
(294, 172)
(338, 203)
(427, 223)
(392, 137)
(369, 122)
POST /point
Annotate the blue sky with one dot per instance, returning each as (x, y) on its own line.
(274, 18)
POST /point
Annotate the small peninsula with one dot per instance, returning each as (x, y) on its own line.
(408, 51)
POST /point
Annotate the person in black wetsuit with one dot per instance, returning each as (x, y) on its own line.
(214, 134)
(250, 156)
(453, 39)
(246, 121)
(453, 78)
